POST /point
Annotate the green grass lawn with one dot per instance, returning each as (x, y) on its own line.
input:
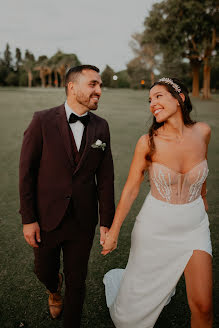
(23, 301)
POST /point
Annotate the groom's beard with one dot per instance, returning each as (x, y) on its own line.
(90, 102)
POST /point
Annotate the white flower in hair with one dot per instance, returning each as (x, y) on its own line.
(167, 80)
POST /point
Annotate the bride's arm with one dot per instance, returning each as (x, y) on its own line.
(207, 135)
(129, 193)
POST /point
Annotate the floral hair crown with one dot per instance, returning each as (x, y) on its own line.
(175, 86)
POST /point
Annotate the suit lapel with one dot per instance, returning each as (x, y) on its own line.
(64, 132)
(89, 140)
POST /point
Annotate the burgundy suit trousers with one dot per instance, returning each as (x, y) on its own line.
(75, 243)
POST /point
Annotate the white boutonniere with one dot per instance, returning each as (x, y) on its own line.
(99, 144)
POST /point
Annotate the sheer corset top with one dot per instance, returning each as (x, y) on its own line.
(177, 188)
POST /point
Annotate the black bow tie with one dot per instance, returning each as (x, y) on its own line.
(83, 119)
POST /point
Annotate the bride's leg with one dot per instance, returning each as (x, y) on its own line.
(198, 276)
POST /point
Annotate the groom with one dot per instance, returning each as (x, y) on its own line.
(66, 174)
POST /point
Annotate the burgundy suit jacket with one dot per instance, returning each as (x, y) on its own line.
(49, 178)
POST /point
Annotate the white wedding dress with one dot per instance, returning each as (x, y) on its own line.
(172, 223)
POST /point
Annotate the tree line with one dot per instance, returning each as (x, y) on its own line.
(28, 71)
(180, 39)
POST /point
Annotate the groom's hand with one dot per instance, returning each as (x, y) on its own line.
(110, 243)
(103, 231)
(32, 233)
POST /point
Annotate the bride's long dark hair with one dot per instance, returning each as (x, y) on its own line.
(186, 108)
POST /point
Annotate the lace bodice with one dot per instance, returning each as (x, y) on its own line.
(177, 188)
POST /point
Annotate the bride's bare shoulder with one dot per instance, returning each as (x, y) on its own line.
(143, 142)
(142, 146)
(203, 128)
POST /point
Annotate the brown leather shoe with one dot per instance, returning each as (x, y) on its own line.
(55, 300)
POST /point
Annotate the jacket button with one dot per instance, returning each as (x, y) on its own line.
(68, 197)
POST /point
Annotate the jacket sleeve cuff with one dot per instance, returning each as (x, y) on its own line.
(28, 220)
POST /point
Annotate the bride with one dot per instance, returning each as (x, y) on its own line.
(171, 233)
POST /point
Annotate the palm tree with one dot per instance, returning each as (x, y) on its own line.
(59, 63)
(54, 65)
(28, 64)
(66, 61)
(44, 69)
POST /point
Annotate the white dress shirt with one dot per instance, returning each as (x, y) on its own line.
(77, 127)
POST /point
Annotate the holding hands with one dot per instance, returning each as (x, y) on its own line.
(110, 243)
(129, 193)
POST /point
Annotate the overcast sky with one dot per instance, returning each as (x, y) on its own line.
(97, 31)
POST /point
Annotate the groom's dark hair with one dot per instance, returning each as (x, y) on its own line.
(73, 73)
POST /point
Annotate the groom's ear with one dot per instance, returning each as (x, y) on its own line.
(71, 88)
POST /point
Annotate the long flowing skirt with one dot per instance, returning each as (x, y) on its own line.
(162, 241)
